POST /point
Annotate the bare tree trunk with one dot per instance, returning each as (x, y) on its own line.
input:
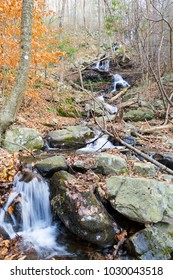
(13, 102)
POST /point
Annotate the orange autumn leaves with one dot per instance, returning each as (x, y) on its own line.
(44, 42)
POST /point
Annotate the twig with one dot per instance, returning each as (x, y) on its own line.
(23, 147)
(153, 129)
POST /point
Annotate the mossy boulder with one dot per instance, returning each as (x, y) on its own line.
(141, 199)
(81, 212)
(71, 137)
(51, 165)
(145, 169)
(140, 114)
(16, 137)
(110, 164)
(152, 243)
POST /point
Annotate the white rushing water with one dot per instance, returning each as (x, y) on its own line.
(36, 227)
(97, 144)
(118, 81)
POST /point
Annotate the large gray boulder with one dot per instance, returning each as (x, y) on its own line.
(71, 137)
(23, 136)
(152, 243)
(50, 165)
(145, 169)
(80, 211)
(140, 114)
(141, 199)
(107, 164)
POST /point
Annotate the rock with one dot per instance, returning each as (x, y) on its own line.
(140, 114)
(169, 142)
(140, 199)
(81, 212)
(107, 164)
(145, 169)
(164, 159)
(152, 243)
(51, 165)
(81, 166)
(71, 137)
(24, 136)
(98, 107)
(3, 233)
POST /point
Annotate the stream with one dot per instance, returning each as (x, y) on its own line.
(33, 220)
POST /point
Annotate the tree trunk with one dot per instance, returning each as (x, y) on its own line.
(13, 102)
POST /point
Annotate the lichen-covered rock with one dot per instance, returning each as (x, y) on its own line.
(23, 136)
(140, 114)
(141, 199)
(152, 243)
(71, 137)
(51, 165)
(107, 164)
(81, 212)
(145, 169)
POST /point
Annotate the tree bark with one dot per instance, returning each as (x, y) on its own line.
(13, 102)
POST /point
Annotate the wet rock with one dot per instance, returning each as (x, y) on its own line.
(51, 165)
(28, 137)
(18, 216)
(107, 164)
(145, 169)
(71, 137)
(152, 243)
(164, 159)
(140, 199)
(81, 212)
(81, 166)
(140, 114)
(3, 233)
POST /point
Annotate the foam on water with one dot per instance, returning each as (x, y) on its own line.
(37, 228)
(100, 144)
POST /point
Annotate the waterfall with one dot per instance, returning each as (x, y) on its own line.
(36, 226)
(97, 144)
(102, 66)
(118, 81)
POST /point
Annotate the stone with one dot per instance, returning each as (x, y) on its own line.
(81, 212)
(140, 114)
(71, 137)
(152, 243)
(50, 165)
(142, 200)
(3, 233)
(145, 169)
(30, 138)
(107, 164)
(81, 166)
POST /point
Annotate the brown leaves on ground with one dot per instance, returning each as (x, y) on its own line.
(10, 249)
(8, 163)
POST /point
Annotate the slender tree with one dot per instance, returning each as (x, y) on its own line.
(13, 101)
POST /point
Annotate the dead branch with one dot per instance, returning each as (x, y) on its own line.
(21, 146)
(157, 128)
(119, 94)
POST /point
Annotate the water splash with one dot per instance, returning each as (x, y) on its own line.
(102, 66)
(36, 226)
(98, 144)
(118, 81)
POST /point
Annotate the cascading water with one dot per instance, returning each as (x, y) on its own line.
(102, 66)
(36, 226)
(98, 144)
(118, 81)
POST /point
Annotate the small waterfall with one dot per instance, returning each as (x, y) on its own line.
(109, 109)
(118, 81)
(102, 66)
(97, 144)
(36, 226)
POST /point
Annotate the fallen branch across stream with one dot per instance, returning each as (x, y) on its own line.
(135, 150)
